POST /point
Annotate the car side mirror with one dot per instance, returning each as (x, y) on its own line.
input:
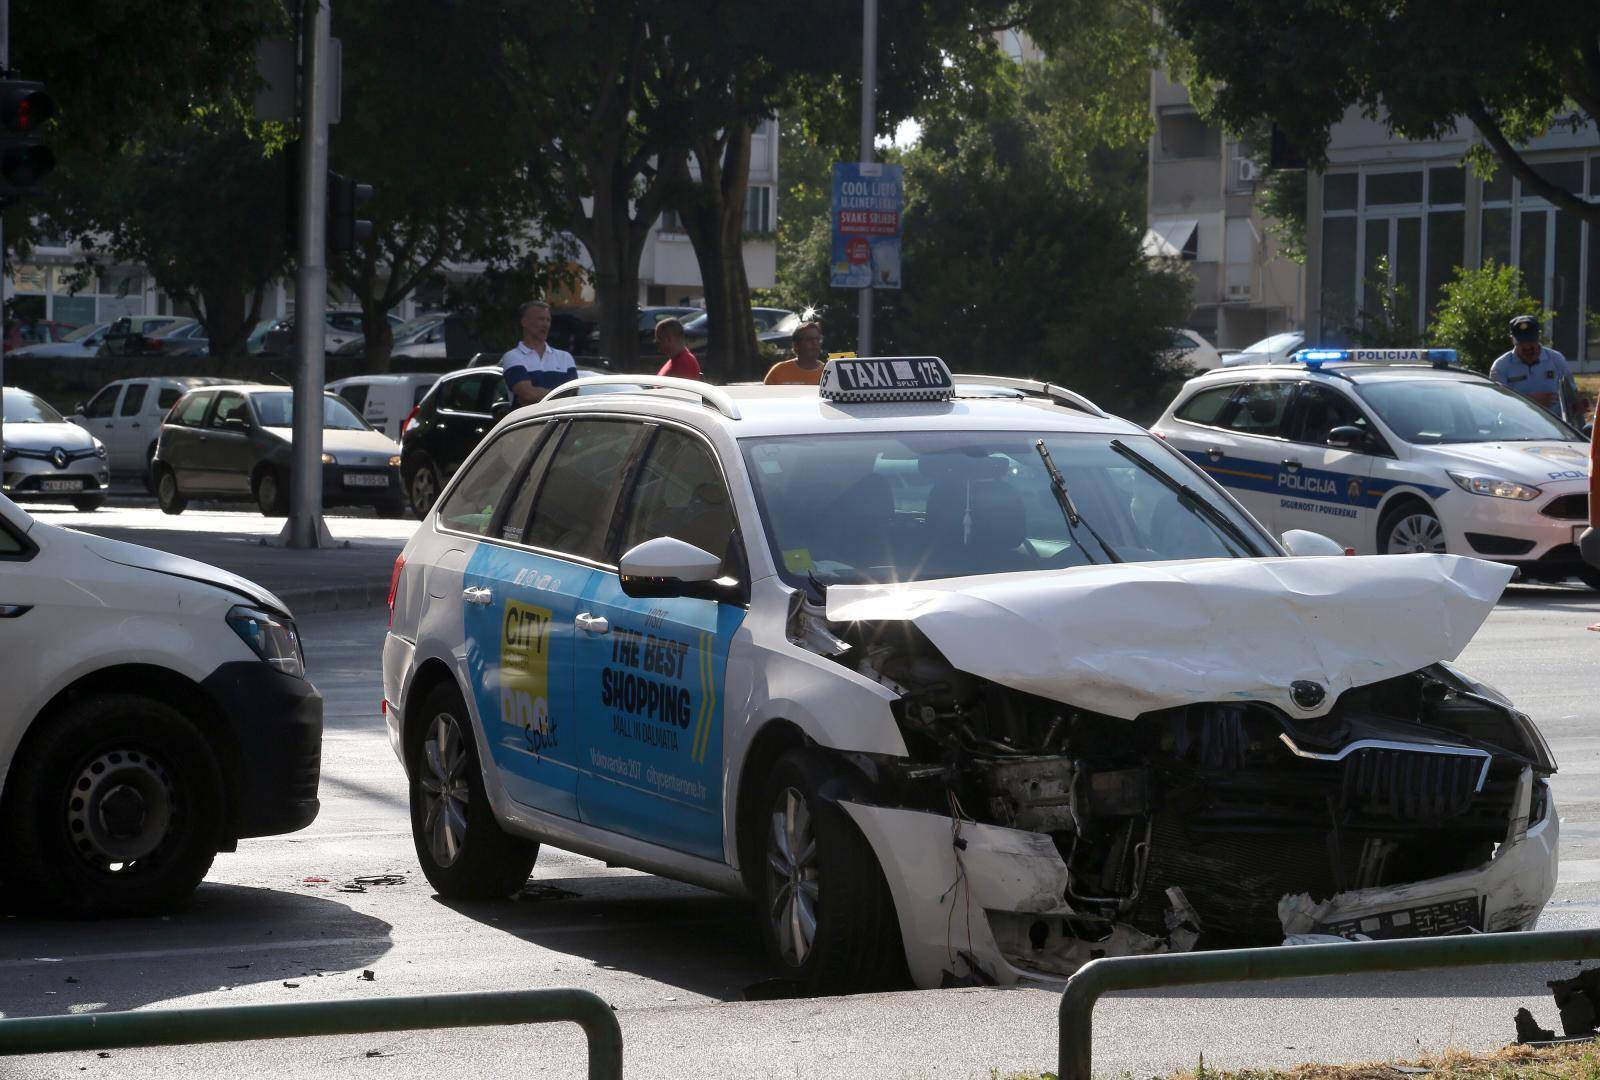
(1306, 542)
(667, 566)
(501, 409)
(78, 408)
(1347, 437)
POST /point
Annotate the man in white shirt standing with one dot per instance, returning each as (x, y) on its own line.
(534, 367)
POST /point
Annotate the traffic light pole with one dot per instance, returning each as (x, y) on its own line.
(305, 528)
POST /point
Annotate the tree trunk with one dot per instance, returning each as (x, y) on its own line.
(228, 316)
(615, 243)
(378, 334)
(714, 220)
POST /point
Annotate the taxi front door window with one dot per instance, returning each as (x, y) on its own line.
(652, 673)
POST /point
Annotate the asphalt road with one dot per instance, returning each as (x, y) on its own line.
(275, 922)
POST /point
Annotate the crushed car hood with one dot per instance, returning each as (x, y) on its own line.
(160, 562)
(1129, 638)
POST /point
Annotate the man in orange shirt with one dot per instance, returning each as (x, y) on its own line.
(805, 367)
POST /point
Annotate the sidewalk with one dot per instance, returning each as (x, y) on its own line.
(354, 574)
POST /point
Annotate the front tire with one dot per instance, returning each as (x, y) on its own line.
(116, 809)
(1410, 527)
(167, 494)
(272, 495)
(464, 853)
(826, 914)
(89, 503)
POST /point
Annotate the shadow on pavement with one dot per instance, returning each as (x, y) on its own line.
(665, 931)
(229, 936)
(1547, 596)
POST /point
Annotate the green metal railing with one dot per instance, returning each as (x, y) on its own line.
(1291, 962)
(242, 1023)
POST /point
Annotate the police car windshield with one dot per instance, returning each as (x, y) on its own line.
(1430, 411)
(911, 506)
(22, 407)
(276, 409)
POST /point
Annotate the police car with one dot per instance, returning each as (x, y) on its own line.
(1392, 450)
(155, 713)
(926, 666)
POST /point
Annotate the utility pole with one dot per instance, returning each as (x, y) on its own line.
(5, 63)
(305, 528)
(869, 122)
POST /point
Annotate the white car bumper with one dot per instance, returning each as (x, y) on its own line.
(1510, 531)
(399, 656)
(994, 899)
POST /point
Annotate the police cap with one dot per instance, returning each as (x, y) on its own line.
(1525, 328)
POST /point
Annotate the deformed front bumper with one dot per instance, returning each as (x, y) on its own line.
(985, 902)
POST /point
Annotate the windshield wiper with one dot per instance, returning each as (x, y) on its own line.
(1058, 484)
(1186, 494)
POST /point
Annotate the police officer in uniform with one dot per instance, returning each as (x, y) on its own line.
(1534, 371)
(533, 367)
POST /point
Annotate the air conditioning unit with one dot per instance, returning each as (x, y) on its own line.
(1248, 171)
(1240, 292)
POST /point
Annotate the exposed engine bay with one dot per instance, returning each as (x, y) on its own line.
(1224, 810)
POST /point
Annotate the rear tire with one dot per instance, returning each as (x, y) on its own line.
(272, 495)
(1410, 526)
(826, 913)
(116, 810)
(167, 491)
(88, 503)
(464, 853)
(423, 487)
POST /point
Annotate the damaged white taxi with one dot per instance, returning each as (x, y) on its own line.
(958, 679)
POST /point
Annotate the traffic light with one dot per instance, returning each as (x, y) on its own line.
(24, 159)
(345, 198)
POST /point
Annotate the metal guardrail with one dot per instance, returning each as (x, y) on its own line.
(242, 1023)
(1290, 962)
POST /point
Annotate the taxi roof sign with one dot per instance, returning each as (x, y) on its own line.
(886, 378)
(1315, 358)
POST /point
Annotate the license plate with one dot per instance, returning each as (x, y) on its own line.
(61, 485)
(365, 480)
(1429, 920)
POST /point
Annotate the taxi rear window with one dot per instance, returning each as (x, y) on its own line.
(488, 480)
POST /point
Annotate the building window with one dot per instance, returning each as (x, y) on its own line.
(1521, 229)
(758, 210)
(1184, 135)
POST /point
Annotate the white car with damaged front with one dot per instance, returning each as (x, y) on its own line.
(932, 673)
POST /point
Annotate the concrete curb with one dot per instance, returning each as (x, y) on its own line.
(336, 598)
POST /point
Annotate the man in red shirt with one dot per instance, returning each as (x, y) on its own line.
(681, 363)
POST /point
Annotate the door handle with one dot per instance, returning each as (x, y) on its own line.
(11, 611)
(1292, 464)
(134, 424)
(477, 595)
(593, 624)
(1214, 454)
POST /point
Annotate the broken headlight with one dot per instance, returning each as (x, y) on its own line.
(1527, 739)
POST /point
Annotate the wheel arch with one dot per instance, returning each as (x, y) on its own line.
(430, 675)
(158, 684)
(1391, 503)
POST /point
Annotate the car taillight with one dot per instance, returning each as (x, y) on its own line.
(394, 583)
(410, 416)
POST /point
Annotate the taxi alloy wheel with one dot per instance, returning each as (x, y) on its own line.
(826, 913)
(116, 809)
(463, 850)
(1414, 530)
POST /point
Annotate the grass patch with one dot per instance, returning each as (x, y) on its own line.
(1570, 1061)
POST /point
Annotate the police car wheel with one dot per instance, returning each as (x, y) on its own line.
(167, 491)
(1590, 576)
(1411, 527)
(423, 488)
(117, 809)
(827, 915)
(463, 851)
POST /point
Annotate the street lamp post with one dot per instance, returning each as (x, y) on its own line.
(869, 118)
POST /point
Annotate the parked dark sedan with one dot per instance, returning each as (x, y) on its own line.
(445, 427)
(235, 441)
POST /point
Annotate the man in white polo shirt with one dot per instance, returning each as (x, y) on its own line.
(533, 367)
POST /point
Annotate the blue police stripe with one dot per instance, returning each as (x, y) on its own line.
(1318, 485)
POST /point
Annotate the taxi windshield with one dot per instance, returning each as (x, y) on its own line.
(1447, 411)
(276, 409)
(912, 506)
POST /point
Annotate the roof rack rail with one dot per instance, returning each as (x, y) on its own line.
(1053, 391)
(714, 396)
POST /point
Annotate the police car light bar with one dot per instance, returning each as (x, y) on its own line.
(1315, 358)
(888, 378)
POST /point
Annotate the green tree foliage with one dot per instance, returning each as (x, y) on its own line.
(200, 204)
(1477, 309)
(1515, 70)
(1011, 269)
(1387, 321)
(450, 176)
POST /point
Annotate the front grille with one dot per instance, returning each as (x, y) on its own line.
(1573, 507)
(47, 455)
(1411, 785)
